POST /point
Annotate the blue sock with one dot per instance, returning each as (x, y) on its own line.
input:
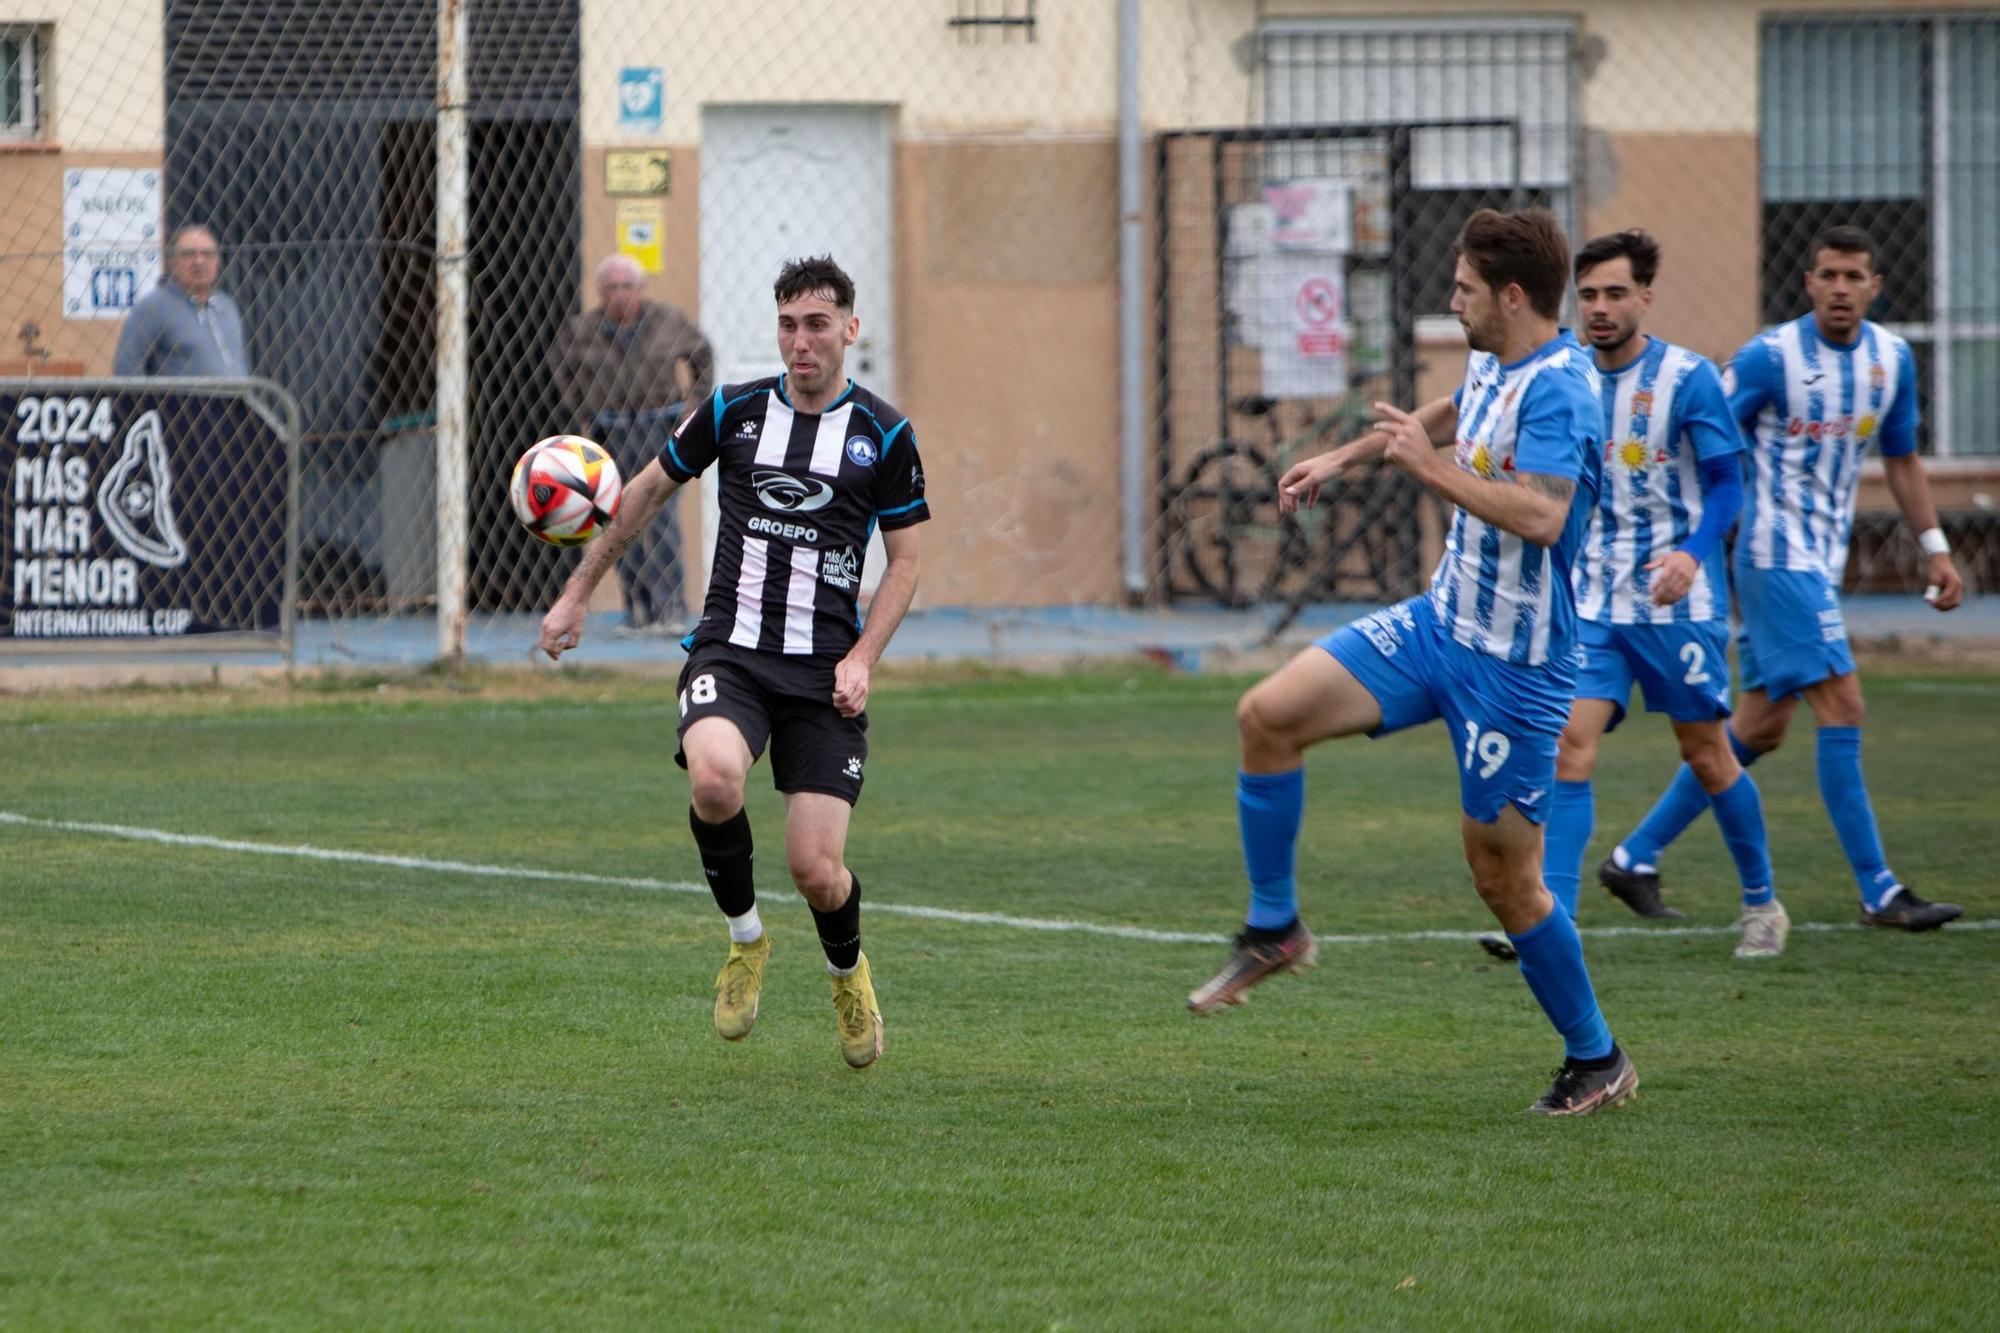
(1846, 799)
(1679, 805)
(1268, 808)
(1739, 811)
(1571, 814)
(1744, 754)
(1552, 963)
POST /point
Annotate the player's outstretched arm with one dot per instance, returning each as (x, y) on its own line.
(1302, 481)
(1912, 489)
(645, 495)
(885, 613)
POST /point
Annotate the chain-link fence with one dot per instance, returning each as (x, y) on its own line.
(350, 177)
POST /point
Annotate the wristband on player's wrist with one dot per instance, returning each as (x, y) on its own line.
(1932, 542)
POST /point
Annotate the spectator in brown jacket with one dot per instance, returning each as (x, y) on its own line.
(619, 367)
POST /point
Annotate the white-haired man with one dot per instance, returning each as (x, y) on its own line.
(618, 366)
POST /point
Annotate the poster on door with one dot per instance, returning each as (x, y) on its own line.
(1313, 216)
(1306, 333)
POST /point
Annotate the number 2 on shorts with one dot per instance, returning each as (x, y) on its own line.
(1489, 748)
(700, 690)
(1692, 654)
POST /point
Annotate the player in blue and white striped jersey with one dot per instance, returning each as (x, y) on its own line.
(1652, 591)
(1490, 648)
(1813, 394)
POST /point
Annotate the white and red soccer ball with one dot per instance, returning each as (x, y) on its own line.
(565, 490)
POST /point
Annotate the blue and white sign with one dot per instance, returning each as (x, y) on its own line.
(111, 239)
(642, 96)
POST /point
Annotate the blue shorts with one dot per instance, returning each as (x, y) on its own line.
(1793, 635)
(1504, 719)
(1681, 666)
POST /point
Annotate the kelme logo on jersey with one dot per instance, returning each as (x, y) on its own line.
(840, 568)
(789, 494)
(862, 450)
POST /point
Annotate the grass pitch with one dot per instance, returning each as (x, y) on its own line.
(243, 1089)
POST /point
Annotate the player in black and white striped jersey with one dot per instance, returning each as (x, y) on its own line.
(808, 463)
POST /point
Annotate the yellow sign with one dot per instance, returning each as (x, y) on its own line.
(641, 232)
(637, 171)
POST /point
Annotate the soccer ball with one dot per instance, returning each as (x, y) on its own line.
(565, 490)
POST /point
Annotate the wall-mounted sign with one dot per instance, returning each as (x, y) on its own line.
(637, 171)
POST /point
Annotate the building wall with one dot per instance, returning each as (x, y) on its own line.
(1005, 211)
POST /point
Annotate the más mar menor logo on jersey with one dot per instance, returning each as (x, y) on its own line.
(840, 568)
(788, 494)
(862, 450)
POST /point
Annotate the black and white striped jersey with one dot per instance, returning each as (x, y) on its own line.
(799, 495)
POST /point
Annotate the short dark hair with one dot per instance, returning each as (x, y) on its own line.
(180, 232)
(803, 277)
(1527, 247)
(1632, 244)
(1847, 241)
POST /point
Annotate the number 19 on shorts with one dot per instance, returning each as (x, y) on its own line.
(1489, 749)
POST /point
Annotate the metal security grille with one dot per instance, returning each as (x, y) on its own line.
(1264, 225)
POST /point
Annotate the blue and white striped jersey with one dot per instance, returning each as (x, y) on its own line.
(1663, 414)
(1494, 592)
(1812, 406)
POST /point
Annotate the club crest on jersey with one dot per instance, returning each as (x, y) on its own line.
(862, 450)
(1877, 377)
(1642, 403)
(788, 494)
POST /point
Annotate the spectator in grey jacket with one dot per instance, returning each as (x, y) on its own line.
(185, 326)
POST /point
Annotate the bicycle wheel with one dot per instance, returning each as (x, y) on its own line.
(1225, 526)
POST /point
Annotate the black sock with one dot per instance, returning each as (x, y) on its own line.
(1604, 1061)
(725, 859)
(840, 929)
(1269, 934)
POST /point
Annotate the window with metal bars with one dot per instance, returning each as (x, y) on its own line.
(1520, 71)
(1893, 125)
(20, 83)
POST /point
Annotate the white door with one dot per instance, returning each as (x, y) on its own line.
(783, 182)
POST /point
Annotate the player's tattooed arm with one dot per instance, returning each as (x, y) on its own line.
(645, 495)
(1534, 506)
(1558, 489)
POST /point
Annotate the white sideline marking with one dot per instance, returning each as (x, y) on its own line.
(1001, 919)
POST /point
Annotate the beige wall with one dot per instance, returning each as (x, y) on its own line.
(1064, 82)
(31, 254)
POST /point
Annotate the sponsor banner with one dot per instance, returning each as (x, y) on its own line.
(139, 515)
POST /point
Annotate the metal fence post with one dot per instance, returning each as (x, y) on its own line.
(453, 168)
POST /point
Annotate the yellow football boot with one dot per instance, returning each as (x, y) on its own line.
(857, 1018)
(738, 985)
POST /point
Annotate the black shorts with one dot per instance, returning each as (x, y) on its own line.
(785, 701)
